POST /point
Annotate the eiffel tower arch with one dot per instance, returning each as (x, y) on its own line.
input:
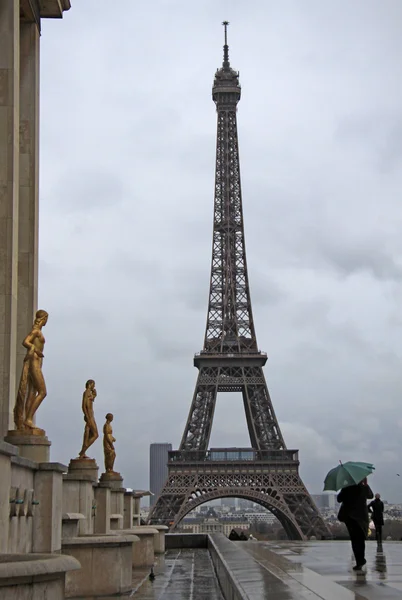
(230, 361)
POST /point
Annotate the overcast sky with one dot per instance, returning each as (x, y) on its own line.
(126, 189)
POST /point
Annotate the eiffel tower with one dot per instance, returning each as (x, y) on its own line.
(267, 473)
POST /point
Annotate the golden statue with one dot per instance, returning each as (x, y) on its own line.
(32, 388)
(91, 430)
(108, 444)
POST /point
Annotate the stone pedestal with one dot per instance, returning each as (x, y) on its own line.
(78, 492)
(109, 495)
(84, 469)
(34, 447)
(111, 479)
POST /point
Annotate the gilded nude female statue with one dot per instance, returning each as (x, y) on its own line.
(32, 388)
(91, 430)
(108, 444)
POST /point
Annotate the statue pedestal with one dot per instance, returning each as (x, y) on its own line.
(109, 496)
(83, 469)
(36, 447)
(111, 479)
(78, 494)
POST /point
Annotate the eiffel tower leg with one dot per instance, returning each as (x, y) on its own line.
(261, 419)
(199, 423)
(303, 508)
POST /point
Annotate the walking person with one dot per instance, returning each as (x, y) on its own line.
(376, 508)
(354, 513)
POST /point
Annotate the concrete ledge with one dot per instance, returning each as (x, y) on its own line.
(106, 562)
(53, 466)
(8, 449)
(235, 560)
(53, 9)
(72, 517)
(16, 566)
(142, 529)
(99, 540)
(26, 463)
(69, 525)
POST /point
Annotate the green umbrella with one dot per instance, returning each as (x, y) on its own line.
(344, 475)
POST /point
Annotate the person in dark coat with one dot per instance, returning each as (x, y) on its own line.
(376, 508)
(354, 513)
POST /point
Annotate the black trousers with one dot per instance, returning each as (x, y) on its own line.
(378, 531)
(358, 539)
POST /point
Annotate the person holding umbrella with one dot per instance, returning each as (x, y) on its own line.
(352, 479)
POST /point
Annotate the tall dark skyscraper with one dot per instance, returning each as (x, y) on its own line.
(158, 459)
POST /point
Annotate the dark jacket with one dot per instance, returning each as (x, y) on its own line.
(376, 507)
(354, 504)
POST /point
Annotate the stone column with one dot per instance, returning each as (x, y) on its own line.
(128, 510)
(78, 492)
(9, 190)
(6, 451)
(102, 514)
(28, 187)
(46, 525)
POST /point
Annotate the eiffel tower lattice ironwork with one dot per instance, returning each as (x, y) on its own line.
(267, 473)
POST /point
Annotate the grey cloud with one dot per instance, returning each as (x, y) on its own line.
(357, 259)
(86, 190)
(378, 133)
(358, 255)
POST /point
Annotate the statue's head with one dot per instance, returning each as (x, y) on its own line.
(109, 417)
(41, 318)
(90, 384)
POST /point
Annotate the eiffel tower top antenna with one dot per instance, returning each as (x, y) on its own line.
(226, 63)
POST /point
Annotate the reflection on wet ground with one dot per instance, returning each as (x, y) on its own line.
(186, 574)
(381, 578)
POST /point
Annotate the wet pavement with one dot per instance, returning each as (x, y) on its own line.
(273, 571)
(186, 574)
(322, 565)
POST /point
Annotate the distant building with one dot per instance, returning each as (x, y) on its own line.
(258, 517)
(213, 523)
(324, 501)
(158, 459)
(246, 504)
(229, 502)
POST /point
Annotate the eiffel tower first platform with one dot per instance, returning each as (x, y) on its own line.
(267, 473)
